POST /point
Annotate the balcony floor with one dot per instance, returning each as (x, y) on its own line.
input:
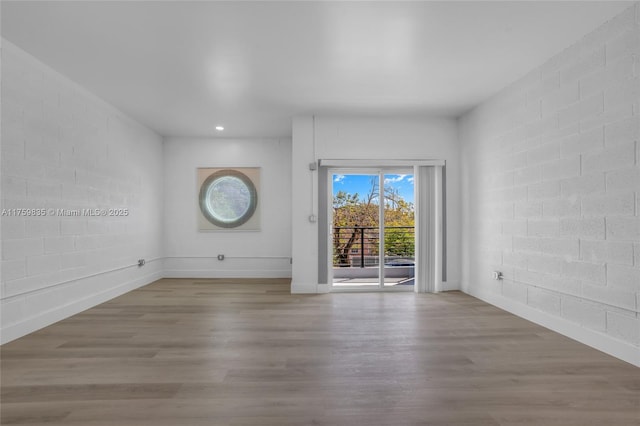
(404, 281)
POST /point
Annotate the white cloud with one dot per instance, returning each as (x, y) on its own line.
(338, 178)
(395, 179)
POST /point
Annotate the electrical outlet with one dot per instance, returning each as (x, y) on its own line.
(141, 262)
(497, 275)
(221, 257)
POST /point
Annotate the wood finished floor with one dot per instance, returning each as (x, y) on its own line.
(240, 353)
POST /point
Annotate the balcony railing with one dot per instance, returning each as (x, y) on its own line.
(358, 246)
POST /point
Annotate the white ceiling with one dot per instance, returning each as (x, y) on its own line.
(182, 68)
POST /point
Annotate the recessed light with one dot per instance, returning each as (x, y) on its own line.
(219, 128)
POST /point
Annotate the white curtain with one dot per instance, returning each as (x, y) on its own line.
(428, 199)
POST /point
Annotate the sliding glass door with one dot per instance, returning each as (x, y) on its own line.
(372, 236)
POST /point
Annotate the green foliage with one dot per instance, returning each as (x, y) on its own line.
(351, 213)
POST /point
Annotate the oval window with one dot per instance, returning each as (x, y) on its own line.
(228, 198)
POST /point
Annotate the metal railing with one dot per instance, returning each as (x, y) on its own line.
(358, 246)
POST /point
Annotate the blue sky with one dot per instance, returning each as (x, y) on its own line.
(362, 184)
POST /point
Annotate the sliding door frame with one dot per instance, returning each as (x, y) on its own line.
(428, 199)
(380, 172)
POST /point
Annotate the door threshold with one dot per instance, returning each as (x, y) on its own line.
(362, 289)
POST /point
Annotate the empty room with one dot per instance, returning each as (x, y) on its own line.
(235, 213)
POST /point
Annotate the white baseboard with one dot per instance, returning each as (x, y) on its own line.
(59, 313)
(450, 286)
(323, 288)
(605, 343)
(304, 288)
(217, 273)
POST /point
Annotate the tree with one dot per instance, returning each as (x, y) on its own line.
(352, 216)
(399, 224)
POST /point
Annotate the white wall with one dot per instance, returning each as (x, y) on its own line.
(367, 138)
(551, 181)
(262, 254)
(63, 148)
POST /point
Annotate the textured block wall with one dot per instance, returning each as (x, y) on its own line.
(64, 151)
(551, 176)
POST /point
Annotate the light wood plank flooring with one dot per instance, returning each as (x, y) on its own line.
(240, 353)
